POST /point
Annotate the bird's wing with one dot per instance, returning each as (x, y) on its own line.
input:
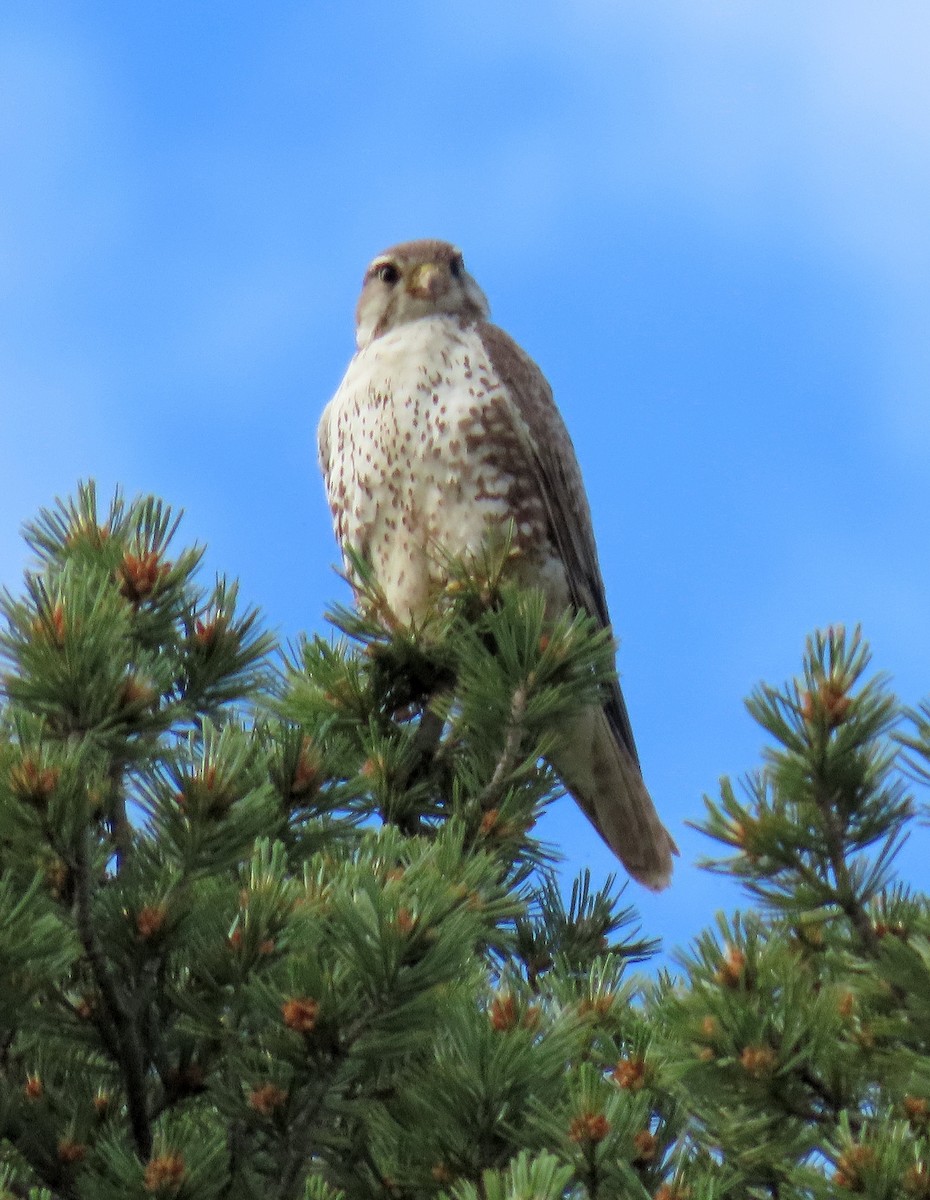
(551, 458)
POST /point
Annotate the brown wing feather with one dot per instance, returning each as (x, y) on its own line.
(552, 456)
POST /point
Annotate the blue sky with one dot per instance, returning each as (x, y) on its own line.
(709, 223)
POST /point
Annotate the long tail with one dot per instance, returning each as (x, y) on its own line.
(608, 786)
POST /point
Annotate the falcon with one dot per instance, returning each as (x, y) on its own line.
(443, 429)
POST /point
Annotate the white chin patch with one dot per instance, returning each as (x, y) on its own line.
(368, 319)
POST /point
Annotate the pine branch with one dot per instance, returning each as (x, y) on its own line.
(297, 1150)
(321, 966)
(425, 744)
(491, 794)
(846, 895)
(121, 1024)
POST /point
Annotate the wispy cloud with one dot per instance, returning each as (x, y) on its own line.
(799, 127)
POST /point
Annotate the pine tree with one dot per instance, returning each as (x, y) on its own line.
(810, 1074)
(278, 925)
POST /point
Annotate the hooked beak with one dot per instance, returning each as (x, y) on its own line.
(425, 281)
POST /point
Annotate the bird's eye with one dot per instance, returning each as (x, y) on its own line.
(457, 266)
(388, 273)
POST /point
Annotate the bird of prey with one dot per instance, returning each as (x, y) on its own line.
(442, 429)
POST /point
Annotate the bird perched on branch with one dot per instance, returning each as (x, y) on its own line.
(443, 429)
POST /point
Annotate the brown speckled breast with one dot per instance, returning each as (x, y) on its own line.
(423, 450)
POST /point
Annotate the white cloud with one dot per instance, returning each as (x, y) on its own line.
(827, 106)
(801, 127)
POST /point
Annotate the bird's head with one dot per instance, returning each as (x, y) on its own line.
(416, 279)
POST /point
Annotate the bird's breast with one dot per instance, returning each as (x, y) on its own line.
(424, 456)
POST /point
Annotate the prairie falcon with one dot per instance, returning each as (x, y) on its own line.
(442, 429)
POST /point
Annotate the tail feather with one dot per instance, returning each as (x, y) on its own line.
(608, 786)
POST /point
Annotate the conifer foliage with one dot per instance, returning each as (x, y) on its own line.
(277, 925)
